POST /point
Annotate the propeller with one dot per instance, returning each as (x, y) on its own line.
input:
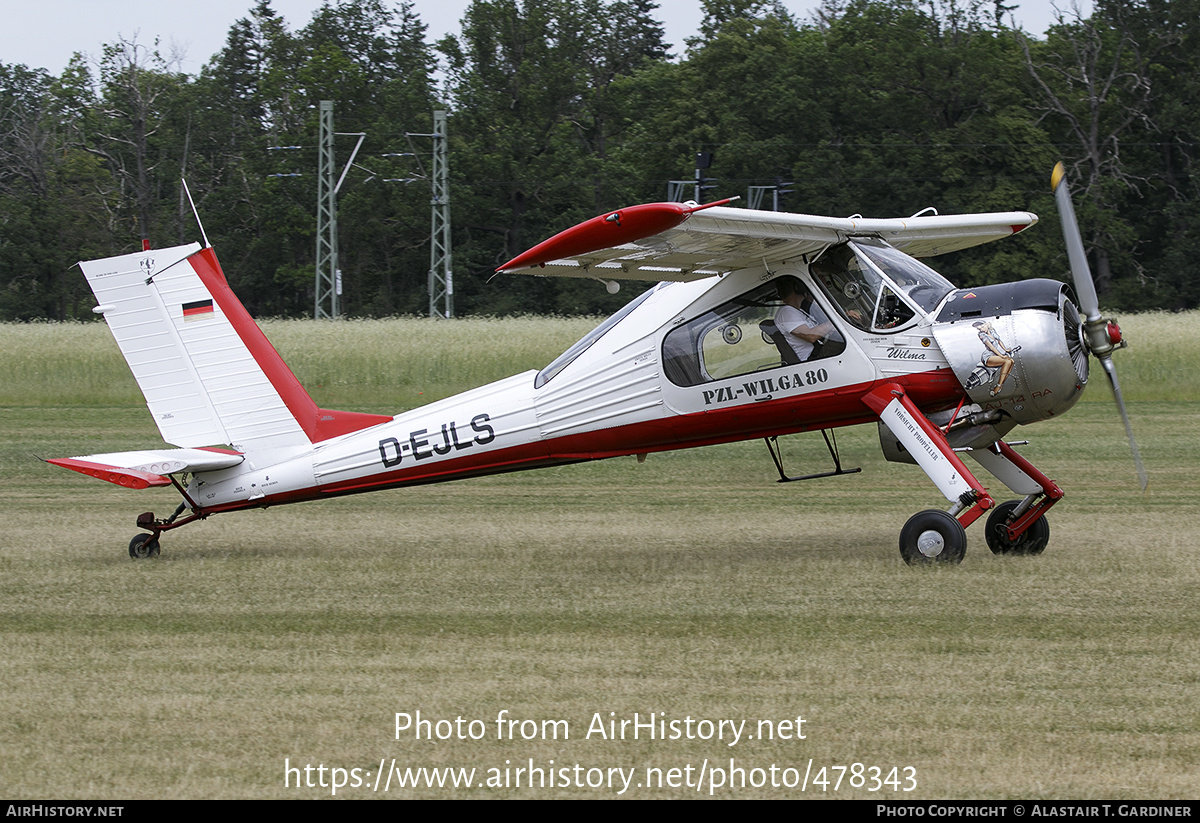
(1103, 336)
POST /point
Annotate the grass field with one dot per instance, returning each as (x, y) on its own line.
(398, 364)
(691, 586)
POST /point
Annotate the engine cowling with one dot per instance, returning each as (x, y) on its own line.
(1017, 348)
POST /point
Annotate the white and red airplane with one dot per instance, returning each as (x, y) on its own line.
(761, 324)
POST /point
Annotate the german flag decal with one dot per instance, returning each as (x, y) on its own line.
(199, 310)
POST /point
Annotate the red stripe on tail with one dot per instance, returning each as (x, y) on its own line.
(319, 424)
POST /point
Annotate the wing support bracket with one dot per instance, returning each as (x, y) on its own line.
(830, 443)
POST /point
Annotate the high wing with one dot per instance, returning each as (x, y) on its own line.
(709, 240)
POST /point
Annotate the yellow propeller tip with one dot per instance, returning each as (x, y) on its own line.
(1056, 176)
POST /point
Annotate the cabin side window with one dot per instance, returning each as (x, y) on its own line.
(743, 336)
(584, 343)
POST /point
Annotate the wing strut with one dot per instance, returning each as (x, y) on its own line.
(830, 443)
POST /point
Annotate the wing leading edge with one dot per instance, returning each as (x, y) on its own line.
(721, 239)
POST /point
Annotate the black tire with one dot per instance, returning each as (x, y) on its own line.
(143, 546)
(933, 537)
(1032, 542)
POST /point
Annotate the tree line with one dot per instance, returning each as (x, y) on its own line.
(562, 109)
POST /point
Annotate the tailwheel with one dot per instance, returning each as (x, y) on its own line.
(1032, 541)
(933, 536)
(143, 546)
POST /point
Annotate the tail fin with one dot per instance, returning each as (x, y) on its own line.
(209, 374)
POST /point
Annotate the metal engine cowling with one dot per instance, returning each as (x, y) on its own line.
(1016, 348)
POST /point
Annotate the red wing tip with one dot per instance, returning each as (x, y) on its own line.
(604, 231)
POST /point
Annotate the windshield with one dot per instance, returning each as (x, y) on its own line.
(921, 284)
(877, 287)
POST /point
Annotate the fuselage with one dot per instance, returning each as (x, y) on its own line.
(694, 363)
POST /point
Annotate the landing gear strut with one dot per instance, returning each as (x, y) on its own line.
(1018, 527)
(1032, 541)
(147, 545)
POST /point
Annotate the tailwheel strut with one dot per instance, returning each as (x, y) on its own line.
(147, 545)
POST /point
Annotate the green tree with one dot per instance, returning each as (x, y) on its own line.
(535, 88)
(52, 212)
(137, 91)
(1096, 80)
(374, 63)
(1160, 153)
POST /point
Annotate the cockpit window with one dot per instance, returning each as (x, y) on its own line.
(919, 283)
(741, 336)
(877, 287)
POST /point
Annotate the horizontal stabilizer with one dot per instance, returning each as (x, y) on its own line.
(142, 469)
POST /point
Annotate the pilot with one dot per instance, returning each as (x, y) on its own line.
(798, 319)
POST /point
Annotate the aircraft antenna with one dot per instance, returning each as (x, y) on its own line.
(196, 212)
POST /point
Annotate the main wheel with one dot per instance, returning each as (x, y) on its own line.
(932, 536)
(143, 546)
(1033, 541)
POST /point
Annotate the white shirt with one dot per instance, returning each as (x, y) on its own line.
(789, 318)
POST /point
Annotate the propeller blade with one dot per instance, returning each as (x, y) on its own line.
(1100, 338)
(1085, 288)
(1111, 371)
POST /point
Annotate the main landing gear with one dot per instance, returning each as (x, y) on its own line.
(1015, 527)
(938, 537)
(929, 537)
(933, 536)
(999, 538)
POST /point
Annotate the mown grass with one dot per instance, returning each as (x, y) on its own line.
(691, 585)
